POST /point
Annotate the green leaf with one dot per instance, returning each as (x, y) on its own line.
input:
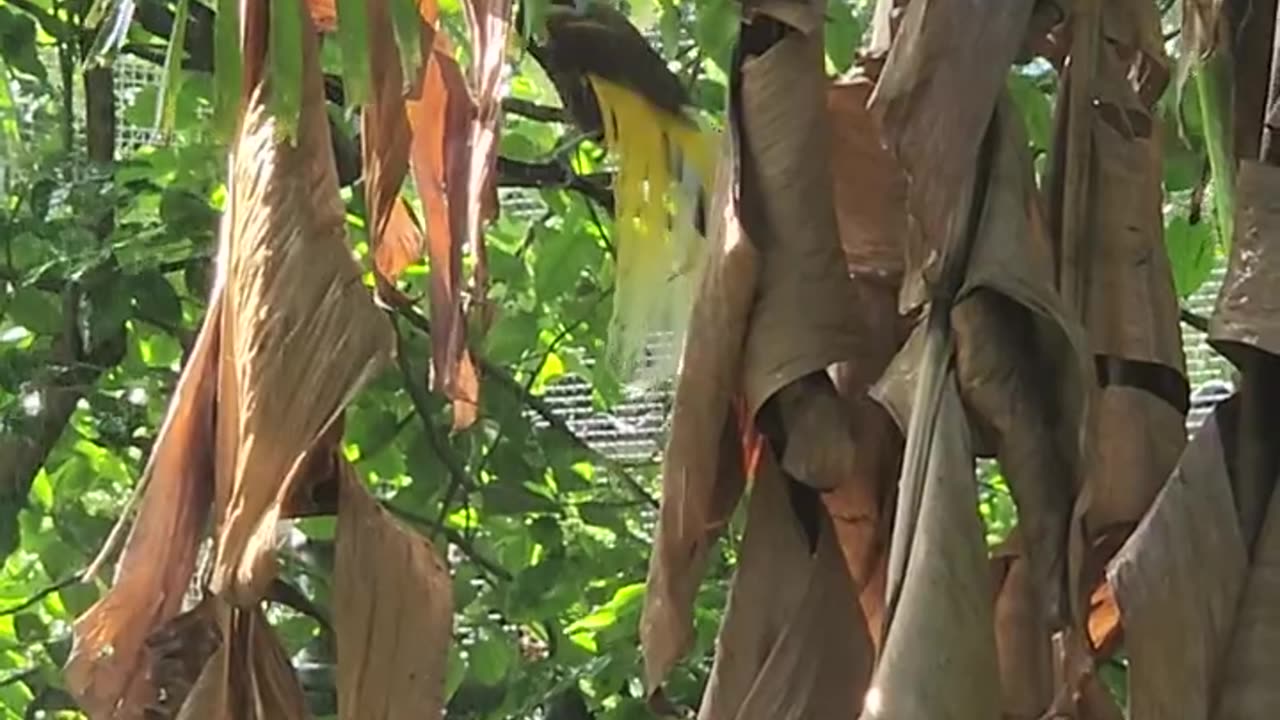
(626, 601)
(1212, 85)
(504, 497)
(36, 311)
(455, 671)
(228, 62)
(557, 264)
(8, 111)
(353, 38)
(489, 660)
(1191, 254)
(285, 60)
(167, 107)
(1036, 110)
(845, 26)
(155, 299)
(18, 44)
(407, 22)
(535, 13)
(28, 627)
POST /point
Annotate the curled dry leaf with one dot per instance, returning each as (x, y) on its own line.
(870, 199)
(1248, 308)
(934, 101)
(1105, 197)
(702, 473)
(440, 117)
(111, 667)
(789, 645)
(1178, 582)
(249, 677)
(394, 236)
(299, 331)
(800, 322)
(1023, 647)
(1012, 331)
(939, 656)
(393, 603)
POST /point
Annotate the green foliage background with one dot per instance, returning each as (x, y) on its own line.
(550, 545)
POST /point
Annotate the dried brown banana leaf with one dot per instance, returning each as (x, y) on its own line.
(300, 332)
(939, 658)
(702, 473)
(111, 666)
(789, 646)
(393, 608)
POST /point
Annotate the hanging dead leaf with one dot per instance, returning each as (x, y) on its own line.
(1245, 318)
(799, 324)
(439, 118)
(789, 646)
(1178, 581)
(869, 189)
(1023, 645)
(249, 677)
(1011, 332)
(702, 473)
(870, 199)
(1106, 197)
(393, 604)
(934, 102)
(943, 620)
(110, 670)
(385, 138)
(324, 14)
(300, 333)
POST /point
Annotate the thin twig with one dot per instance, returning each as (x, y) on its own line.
(534, 111)
(41, 595)
(1199, 322)
(505, 380)
(458, 476)
(456, 538)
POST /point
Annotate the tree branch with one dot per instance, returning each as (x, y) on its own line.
(534, 111)
(518, 173)
(500, 376)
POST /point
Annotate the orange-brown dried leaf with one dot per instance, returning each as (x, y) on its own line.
(393, 609)
(702, 473)
(300, 332)
(870, 199)
(869, 188)
(1023, 644)
(792, 644)
(440, 117)
(324, 14)
(110, 667)
(385, 141)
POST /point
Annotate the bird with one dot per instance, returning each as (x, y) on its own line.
(617, 87)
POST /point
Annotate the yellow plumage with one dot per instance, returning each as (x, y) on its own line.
(664, 162)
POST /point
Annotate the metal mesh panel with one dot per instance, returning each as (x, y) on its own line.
(1211, 375)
